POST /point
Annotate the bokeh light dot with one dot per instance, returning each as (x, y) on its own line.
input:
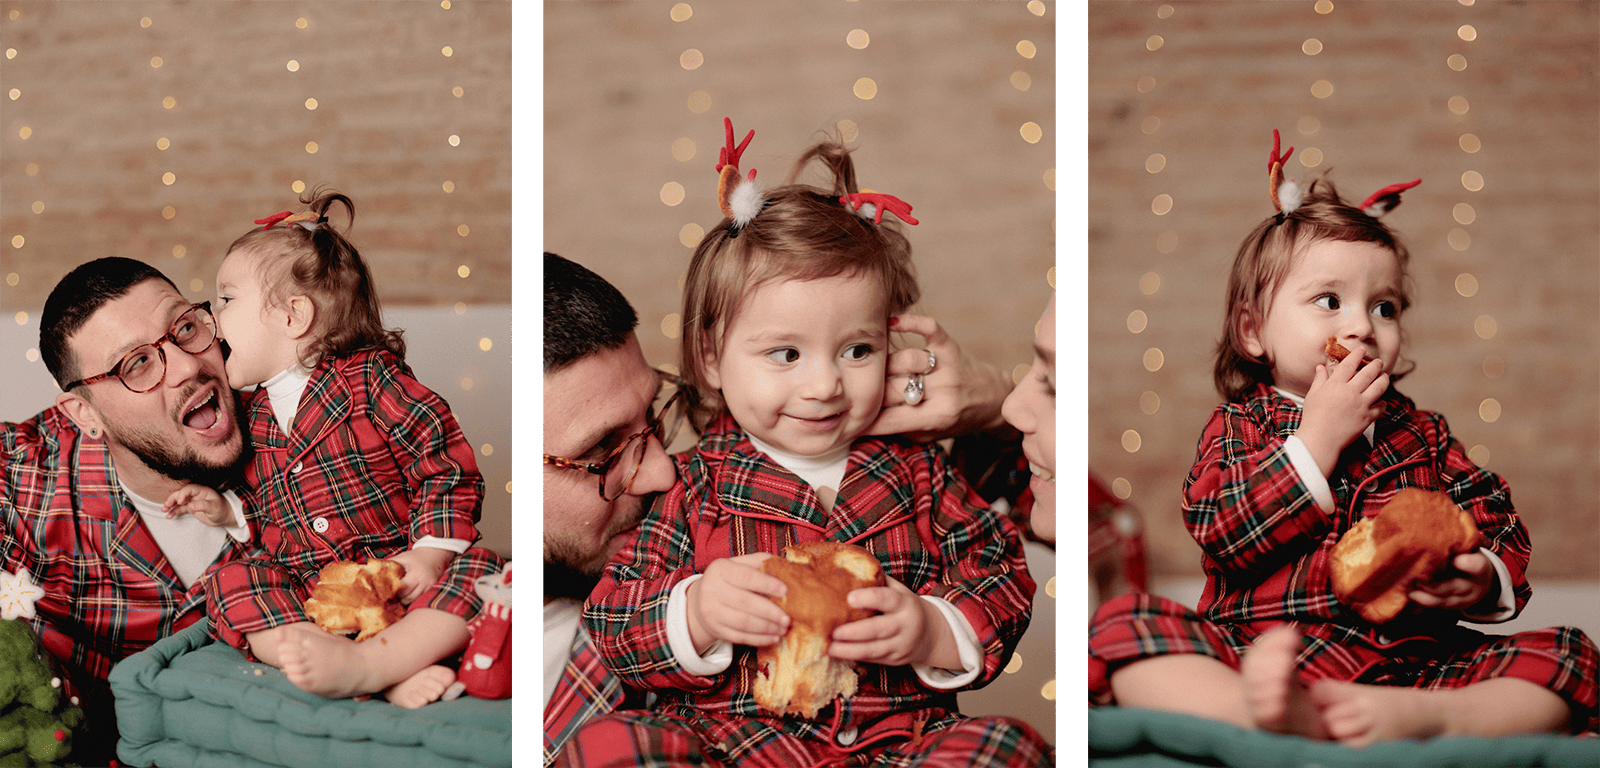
(1470, 143)
(15, 94)
(1048, 690)
(1021, 81)
(1050, 179)
(1050, 587)
(1145, 84)
(13, 278)
(1494, 366)
(197, 285)
(464, 271)
(1018, 372)
(1459, 239)
(865, 89)
(1149, 283)
(298, 186)
(858, 39)
(1150, 125)
(461, 307)
(17, 241)
(672, 325)
(311, 103)
(162, 143)
(455, 140)
(457, 91)
(485, 344)
(1311, 157)
(447, 51)
(467, 384)
(155, 62)
(1466, 285)
(1036, 7)
(168, 178)
(1322, 89)
(1149, 402)
(1472, 180)
(1323, 7)
(311, 147)
(1311, 46)
(1166, 242)
(1464, 213)
(301, 23)
(1456, 62)
(690, 235)
(487, 449)
(294, 66)
(32, 169)
(683, 149)
(1485, 326)
(1155, 163)
(463, 230)
(1015, 663)
(1153, 43)
(1122, 488)
(1031, 132)
(1164, 12)
(169, 212)
(38, 206)
(1161, 205)
(144, 22)
(1153, 359)
(681, 12)
(672, 193)
(1131, 441)
(1308, 125)
(699, 102)
(691, 59)
(1458, 105)
(33, 355)
(1467, 32)
(169, 102)
(1138, 321)
(179, 251)
(1489, 410)
(11, 53)
(448, 187)
(22, 318)
(1027, 49)
(1479, 455)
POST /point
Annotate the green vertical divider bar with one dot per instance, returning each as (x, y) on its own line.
(1072, 376)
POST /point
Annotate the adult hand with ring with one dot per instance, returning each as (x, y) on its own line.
(937, 391)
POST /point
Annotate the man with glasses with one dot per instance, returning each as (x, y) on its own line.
(145, 408)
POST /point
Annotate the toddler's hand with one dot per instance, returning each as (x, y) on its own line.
(730, 603)
(1340, 404)
(1462, 584)
(424, 566)
(204, 503)
(908, 630)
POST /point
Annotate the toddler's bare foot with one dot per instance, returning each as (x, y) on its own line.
(1274, 697)
(424, 687)
(322, 663)
(1358, 715)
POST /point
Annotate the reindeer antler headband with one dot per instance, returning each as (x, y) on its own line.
(287, 217)
(741, 199)
(1287, 195)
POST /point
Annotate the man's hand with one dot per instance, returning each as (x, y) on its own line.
(730, 602)
(204, 503)
(908, 630)
(424, 566)
(1466, 584)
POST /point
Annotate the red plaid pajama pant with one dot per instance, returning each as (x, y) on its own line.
(257, 594)
(1561, 659)
(663, 739)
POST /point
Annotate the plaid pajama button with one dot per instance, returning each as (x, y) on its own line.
(320, 525)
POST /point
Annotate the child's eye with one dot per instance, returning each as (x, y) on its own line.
(1327, 301)
(785, 356)
(858, 352)
(1386, 310)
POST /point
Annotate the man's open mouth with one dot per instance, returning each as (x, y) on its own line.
(204, 414)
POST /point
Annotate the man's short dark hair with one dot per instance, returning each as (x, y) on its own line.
(583, 314)
(76, 298)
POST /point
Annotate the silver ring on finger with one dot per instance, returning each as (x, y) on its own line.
(932, 362)
(914, 389)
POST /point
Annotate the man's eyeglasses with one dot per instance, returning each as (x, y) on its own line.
(619, 468)
(145, 367)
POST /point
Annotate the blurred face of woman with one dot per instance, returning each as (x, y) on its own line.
(1031, 408)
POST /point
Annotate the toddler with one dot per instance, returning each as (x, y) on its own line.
(1303, 449)
(354, 459)
(787, 315)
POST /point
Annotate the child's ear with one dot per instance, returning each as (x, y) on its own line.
(708, 362)
(1250, 333)
(302, 315)
(81, 412)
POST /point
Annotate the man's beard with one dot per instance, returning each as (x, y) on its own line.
(181, 462)
(565, 572)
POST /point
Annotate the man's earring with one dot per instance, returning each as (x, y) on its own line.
(94, 432)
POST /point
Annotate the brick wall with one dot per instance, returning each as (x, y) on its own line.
(1182, 101)
(624, 119)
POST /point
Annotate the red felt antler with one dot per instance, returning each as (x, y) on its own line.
(1275, 171)
(881, 202)
(728, 166)
(1385, 200)
(287, 217)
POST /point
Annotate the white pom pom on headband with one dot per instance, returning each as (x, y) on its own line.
(741, 199)
(1287, 196)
